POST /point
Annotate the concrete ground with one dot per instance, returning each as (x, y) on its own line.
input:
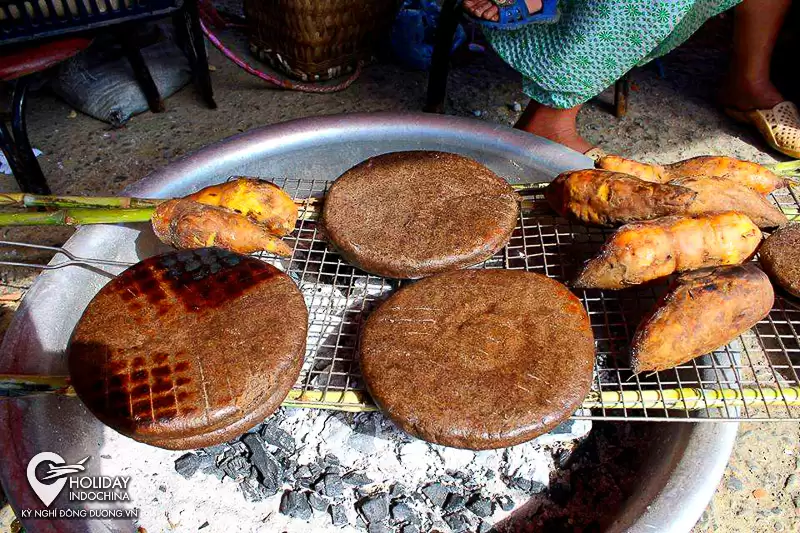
(669, 119)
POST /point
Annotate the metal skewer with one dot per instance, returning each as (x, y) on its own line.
(72, 259)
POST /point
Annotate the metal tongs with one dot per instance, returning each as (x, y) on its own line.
(71, 259)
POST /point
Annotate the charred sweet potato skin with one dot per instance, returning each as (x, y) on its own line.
(702, 311)
(607, 198)
(715, 194)
(186, 224)
(644, 251)
(261, 201)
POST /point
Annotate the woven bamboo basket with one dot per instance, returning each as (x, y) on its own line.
(317, 40)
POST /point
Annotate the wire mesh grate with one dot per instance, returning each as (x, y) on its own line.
(754, 378)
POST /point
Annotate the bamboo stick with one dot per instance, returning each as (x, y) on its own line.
(25, 200)
(76, 216)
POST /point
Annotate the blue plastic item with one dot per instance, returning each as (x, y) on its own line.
(413, 33)
(516, 15)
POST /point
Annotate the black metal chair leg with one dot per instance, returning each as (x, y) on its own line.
(11, 153)
(142, 74)
(440, 62)
(200, 72)
(29, 177)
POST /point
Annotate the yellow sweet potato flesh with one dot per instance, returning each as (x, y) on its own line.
(644, 251)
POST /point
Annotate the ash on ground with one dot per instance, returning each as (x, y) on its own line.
(311, 470)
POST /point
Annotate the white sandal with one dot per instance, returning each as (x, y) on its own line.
(780, 126)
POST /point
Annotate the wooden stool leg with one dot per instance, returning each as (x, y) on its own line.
(30, 178)
(621, 89)
(440, 62)
(142, 74)
(197, 42)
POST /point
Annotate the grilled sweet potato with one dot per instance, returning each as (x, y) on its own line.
(186, 224)
(643, 251)
(611, 198)
(715, 195)
(260, 201)
(702, 311)
(752, 175)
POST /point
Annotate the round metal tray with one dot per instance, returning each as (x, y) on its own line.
(687, 462)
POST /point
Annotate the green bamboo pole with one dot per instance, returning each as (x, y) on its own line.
(77, 216)
(787, 167)
(40, 200)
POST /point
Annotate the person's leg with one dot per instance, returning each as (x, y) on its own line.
(558, 125)
(756, 29)
(488, 10)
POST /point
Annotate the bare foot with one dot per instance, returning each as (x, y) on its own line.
(746, 95)
(558, 125)
(485, 9)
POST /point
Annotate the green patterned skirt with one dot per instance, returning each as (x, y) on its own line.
(595, 42)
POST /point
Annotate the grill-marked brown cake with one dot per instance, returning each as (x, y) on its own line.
(413, 214)
(479, 359)
(189, 349)
(780, 257)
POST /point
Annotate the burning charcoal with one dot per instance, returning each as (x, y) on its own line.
(317, 502)
(356, 478)
(338, 515)
(457, 523)
(375, 508)
(410, 528)
(331, 459)
(505, 503)
(378, 527)
(398, 491)
(454, 502)
(436, 493)
(278, 437)
(480, 506)
(402, 512)
(236, 468)
(253, 490)
(268, 467)
(329, 485)
(295, 504)
(187, 465)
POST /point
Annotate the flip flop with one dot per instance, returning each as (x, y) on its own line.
(780, 126)
(514, 14)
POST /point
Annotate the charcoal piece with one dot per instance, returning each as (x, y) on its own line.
(236, 468)
(358, 479)
(274, 435)
(402, 512)
(338, 515)
(454, 502)
(289, 466)
(375, 508)
(505, 503)
(563, 458)
(484, 527)
(295, 504)
(480, 506)
(253, 490)
(331, 459)
(333, 469)
(317, 502)
(398, 491)
(410, 528)
(305, 483)
(187, 465)
(378, 527)
(329, 485)
(269, 469)
(215, 450)
(316, 470)
(526, 485)
(457, 522)
(303, 472)
(436, 493)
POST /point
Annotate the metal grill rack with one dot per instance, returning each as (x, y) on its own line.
(730, 384)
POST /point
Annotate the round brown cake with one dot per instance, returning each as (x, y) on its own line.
(780, 257)
(189, 349)
(479, 359)
(413, 214)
